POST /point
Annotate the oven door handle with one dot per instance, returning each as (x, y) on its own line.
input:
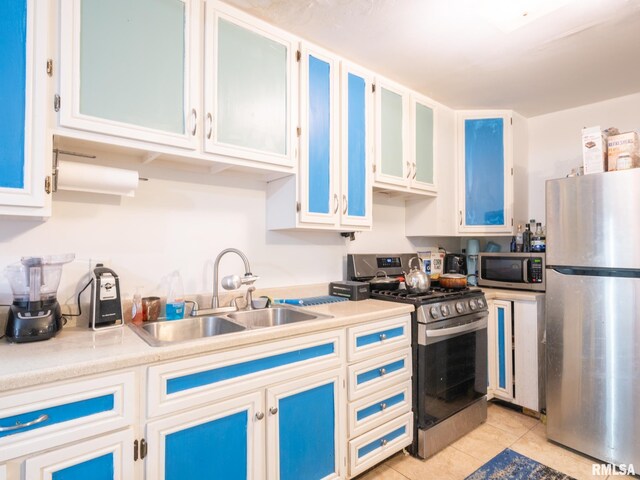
(467, 327)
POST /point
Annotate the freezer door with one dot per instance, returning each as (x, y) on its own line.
(593, 360)
(593, 220)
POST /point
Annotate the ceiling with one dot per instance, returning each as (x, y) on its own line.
(461, 53)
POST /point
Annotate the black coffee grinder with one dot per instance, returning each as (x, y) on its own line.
(35, 313)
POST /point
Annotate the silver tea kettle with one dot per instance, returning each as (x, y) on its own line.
(416, 280)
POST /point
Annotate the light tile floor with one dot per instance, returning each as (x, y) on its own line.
(504, 428)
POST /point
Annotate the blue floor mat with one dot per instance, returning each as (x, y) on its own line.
(510, 465)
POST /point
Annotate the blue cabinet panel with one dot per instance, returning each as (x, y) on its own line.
(375, 337)
(370, 447)
(307, 434)
(357, 146)
(216, 449)
(59, 414)
(484, 171)
(377, 372)
(376, 407)
(13, 38)
(319, 135)
(215, 375)
(100, 468)
(502, 360)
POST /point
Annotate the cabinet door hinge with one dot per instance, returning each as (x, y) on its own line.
(373, 167)
(50, 67)
(143, 448)
(298, 131)
(135, 450)
(298, 55)
(298, 207)
(512, 171)
(47, 184)
(56, 102)
(373, 88)
(512, 222)
(511, 120)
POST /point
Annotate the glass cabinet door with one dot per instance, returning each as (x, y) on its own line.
(485, 154)
(126, 69)
(392, 165)
(247, 88)
(423, 164)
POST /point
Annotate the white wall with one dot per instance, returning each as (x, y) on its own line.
(182, 220)
(555, 141)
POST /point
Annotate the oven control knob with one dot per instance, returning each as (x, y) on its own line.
(460, 307)
(481, 303)
(473, 305)
(435, 313)
(444, 309)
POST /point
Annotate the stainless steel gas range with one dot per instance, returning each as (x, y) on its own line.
(449, 340)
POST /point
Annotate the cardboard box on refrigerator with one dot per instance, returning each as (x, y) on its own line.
(624, 147)
(594, 150)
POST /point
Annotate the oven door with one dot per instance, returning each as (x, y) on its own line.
(452, 366)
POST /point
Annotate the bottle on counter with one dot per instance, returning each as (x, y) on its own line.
(526, 239)
(136, 308)
(538, 240)
(512, 245)
(519, 239)
(175, 297)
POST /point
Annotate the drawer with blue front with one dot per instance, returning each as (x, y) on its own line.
(41, 417)
(183, 384)
(371, 448)
(378, 408)
(365, 341)
(371, 376)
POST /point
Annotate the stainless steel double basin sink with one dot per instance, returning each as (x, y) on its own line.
(169, 332)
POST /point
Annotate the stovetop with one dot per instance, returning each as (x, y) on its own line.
(434, 295)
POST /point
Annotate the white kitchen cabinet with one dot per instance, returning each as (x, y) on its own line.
(306, 428)
(222, 440)
(107, 457)
(423, 144)
(249, 87)
(25, 156)
(500, 348)
(392, 161)
(41, 424)
(131, 69)
(516, 359)
(379, 391)
(485, 172)
(333, 189)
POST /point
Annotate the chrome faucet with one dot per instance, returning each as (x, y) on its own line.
(235, 281)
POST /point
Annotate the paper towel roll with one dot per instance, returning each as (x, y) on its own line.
(83, 177)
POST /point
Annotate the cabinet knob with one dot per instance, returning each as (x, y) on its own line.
(383, 442)
(344, 202)
(194, 121)
(259, 416)
(415, 171)
(383, 336)
(460, 217)
(383, 372)
(383, 406)
(336, 202)
(408, 169)
(273, 410)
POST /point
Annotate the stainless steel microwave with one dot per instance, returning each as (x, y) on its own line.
(518, 270)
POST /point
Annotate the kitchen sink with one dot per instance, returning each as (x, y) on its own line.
(168, 332)
(271, 317)
(175, 331)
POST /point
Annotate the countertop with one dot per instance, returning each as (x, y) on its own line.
(79, 351)
(506, 294)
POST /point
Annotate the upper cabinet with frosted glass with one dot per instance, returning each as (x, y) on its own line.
(25, 150)
(485, 172)
(130, 69)
(405, 140)
(248, 87)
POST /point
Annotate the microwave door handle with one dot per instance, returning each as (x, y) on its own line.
(525, 271)
(467, 327)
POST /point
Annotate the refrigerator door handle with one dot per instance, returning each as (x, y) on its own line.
(597, 272)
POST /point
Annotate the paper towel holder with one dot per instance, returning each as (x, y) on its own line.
(56, 163)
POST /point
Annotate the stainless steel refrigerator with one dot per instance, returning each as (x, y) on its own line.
(593, 314)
